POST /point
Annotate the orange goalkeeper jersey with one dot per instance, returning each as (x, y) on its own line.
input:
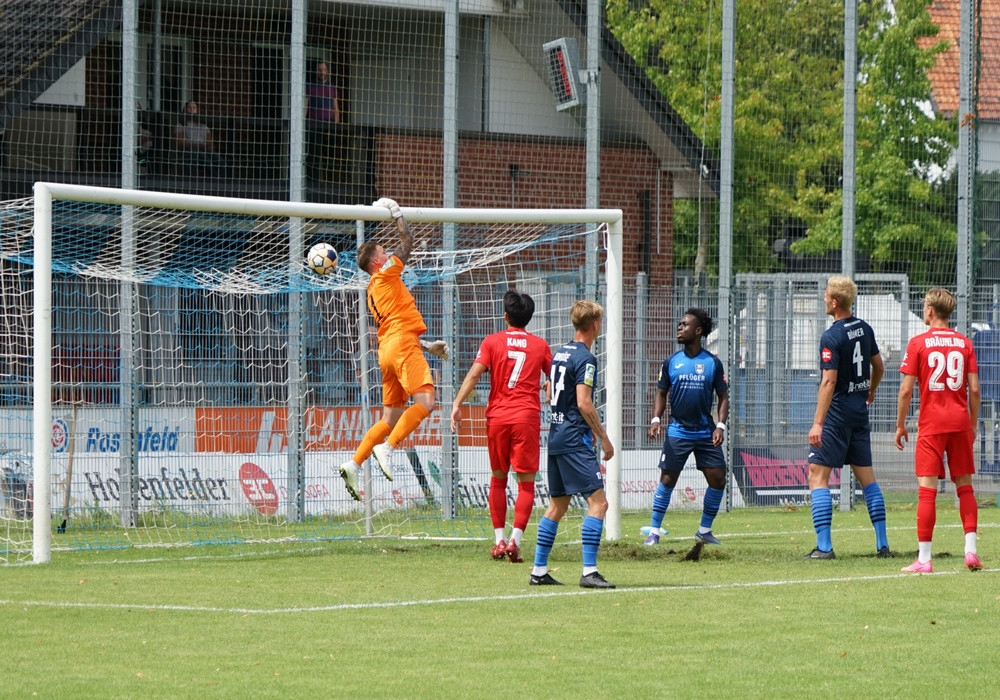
(390, 302)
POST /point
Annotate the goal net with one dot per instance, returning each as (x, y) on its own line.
(173, 372)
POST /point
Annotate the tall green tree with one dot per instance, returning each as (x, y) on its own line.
(789, 124)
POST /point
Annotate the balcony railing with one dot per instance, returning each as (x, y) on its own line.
(250, 157)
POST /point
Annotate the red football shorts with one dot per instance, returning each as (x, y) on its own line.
(931, 450)
(404, 368)
(514, 447)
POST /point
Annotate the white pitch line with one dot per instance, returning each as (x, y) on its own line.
(471, 599)
(418, 538)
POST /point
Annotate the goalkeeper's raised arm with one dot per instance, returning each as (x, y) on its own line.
(405, 237)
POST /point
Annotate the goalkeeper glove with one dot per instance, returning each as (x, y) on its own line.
(389, 204)
(438, 348)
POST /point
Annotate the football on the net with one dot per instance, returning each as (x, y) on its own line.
(322, 258)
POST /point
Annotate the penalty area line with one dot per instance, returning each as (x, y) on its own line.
(469, 599)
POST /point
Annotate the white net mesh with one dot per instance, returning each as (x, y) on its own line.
(251, 377)
(437, 107)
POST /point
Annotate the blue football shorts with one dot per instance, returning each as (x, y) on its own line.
(842, 446)
(676, 451)
(576, 472)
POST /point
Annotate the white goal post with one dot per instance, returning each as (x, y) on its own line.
(604, 223)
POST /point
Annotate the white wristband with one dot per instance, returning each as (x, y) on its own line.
(654, 420)
(720, 425)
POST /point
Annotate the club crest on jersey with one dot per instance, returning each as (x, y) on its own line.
(699, 368)
(826, 354)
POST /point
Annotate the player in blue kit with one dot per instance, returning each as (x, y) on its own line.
(693, 377)
(852, 368)
(573, 467)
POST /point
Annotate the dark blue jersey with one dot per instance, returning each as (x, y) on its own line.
(692, 383)
(572, 364)
(848, 346)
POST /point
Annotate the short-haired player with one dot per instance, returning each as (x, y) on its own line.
(942, 362)
(852, 368)
(516, 361)
(405, 372)
(573, 468)
(693, 378)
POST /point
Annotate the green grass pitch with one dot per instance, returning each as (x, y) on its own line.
(431, 618)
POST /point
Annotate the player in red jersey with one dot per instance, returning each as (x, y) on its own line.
(517, 361)
(943, 363)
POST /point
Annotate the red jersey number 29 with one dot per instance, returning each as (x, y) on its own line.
(952, 364)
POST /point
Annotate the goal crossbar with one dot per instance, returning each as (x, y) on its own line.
(313, 210)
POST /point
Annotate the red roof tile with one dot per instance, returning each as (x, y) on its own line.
(944, 75)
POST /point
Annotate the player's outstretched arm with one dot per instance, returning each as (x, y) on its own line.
(405, 237)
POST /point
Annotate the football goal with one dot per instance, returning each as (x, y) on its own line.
(174, 372)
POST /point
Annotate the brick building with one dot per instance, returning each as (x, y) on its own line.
(62, 109)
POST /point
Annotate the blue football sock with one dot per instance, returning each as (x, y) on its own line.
(876, 511)
(661, 499)
(822, 512)
(713, 497)
(590, 534)
(544, 540)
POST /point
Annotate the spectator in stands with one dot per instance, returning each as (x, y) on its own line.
(322, 111)
(194, 139)
(322, 100)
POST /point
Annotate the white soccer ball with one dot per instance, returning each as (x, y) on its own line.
(322, 258)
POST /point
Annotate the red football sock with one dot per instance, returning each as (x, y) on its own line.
(926, 513)
(523, 504)
(498, 502)
(967, 508)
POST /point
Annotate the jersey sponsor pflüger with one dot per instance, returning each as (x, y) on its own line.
(692, 383)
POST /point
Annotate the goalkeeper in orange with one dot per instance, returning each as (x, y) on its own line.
(405, 371)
